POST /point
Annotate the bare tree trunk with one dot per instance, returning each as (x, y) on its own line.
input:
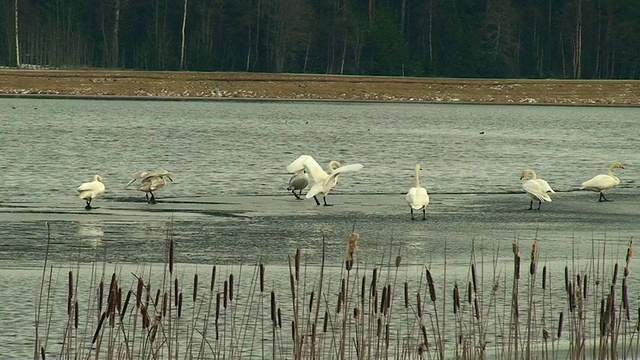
(577, 50)
(17, 42)
(116, 34)
(184, 28)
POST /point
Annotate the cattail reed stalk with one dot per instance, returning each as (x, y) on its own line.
(70, 293)
(100, 295)
(432, 288)
(138, 292)
(373, 282)
(165, 300)
(325, 323)
(225, 290)
(124, 307)
(469, 293)
(195, 287)
(95, 335)
(424, 336)
(311, 301)
(297, 264)
(213, 278)
(615, 274)
(383, 300)
(456, 298)
(273, 308)
(473, 278)
(398, 260)
(584, 286)
(477, 308)
(230, 287)
(625, 298)
(180, 305)
(379, 328)
(419, 305)
(406, 295)
(279, 318)
(544, 277)
(119, 300)
(560, 324)
(566, 278)
(218, 307)
(156, 303)
(171, 256)
(261, 267)
(75, 312)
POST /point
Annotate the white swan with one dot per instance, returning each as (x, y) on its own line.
(537, 189)
(324, 182)
(298, 181)
(417, 197)
(603, 182)
(150, 182)
(91, 190)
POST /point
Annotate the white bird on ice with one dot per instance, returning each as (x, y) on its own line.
(417, 197)
(536, 188)
(150, 182)
(298, 181)
(324, 182)
(91, 190)
(603, 182)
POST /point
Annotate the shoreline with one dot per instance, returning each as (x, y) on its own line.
(198, 86)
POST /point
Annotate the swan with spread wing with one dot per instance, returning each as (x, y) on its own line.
(150, 181)
(323, 182)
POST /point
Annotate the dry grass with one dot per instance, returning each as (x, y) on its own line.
(328, 313)
(216, 85)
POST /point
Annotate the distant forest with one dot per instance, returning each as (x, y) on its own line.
(570, 39)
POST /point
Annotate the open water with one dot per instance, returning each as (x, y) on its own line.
(228, 204)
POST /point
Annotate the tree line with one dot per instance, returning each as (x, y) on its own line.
(451, 38)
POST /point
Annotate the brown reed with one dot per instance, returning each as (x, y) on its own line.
(230, 287)
(213, 278)
(195, 287)
(261, 267)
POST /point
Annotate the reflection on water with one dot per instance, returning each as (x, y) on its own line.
(91, 232)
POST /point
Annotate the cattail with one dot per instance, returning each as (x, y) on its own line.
(279, 318)
(625, 297)
(352, 246)
(584, 286)
(469, 293)
(477, 308)
(195, 287)
(566, 279)
(213, 278)
(348, 265)
(419, 302)
(362, 290)
(145, 317)
(473, 278)
(406, 294)
(326, 322)
(398, 260)
(42, 352)
(638, 323)
(560, 324)
(356, 312)
(379, 328)
(456, 298)
(383, 300)
(615, 274)
(230, 287)
(155, 303)
(119, 300)
(424, 335)
(261, 268)
(70, 293)
(165, 300)
(293, 331)
(180, 306)
(544, 277)
(545, 334)
(297, 264)
(146, 298)
(339, 303)
(432, 289)
(273, 308)
(100, 295)
(373, 282)
(218, 308)
(516, 270)
(175, 292)
(75, 312)
(139, 292)
(126, 303)
(572, 298)
(95, 335)
(386, 335)
(292, 287)
(225, 290)
(603, 317)
(629, 252)
(171, 256)
(311, 301)
(388, 301)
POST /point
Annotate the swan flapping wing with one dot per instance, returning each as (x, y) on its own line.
(534, 189)
(310, 164)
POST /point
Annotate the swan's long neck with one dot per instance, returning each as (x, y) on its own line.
(417, 178)
(533, 174)
(610, 171)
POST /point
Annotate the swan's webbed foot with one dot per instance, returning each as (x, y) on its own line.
(88, 206)
(316, 199)
(325, 202)
(602, 198)
(296, 195)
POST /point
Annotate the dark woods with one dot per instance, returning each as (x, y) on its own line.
(451, 38)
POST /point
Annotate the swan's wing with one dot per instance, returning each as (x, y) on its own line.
(344, 169)
(316, 189)
(545, 186)
(599, 183)
(88, 186)
(310, 164)
(417, 198)
(533, 188)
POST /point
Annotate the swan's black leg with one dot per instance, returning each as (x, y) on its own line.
(153, 198)
(531, 205)
(424, 213)
(539, 203)
(412, 218)
(316, 199)
(602, 198)
(88, 207)
(300, 195)
(324, 198)
(296, 195)
(146, 197)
